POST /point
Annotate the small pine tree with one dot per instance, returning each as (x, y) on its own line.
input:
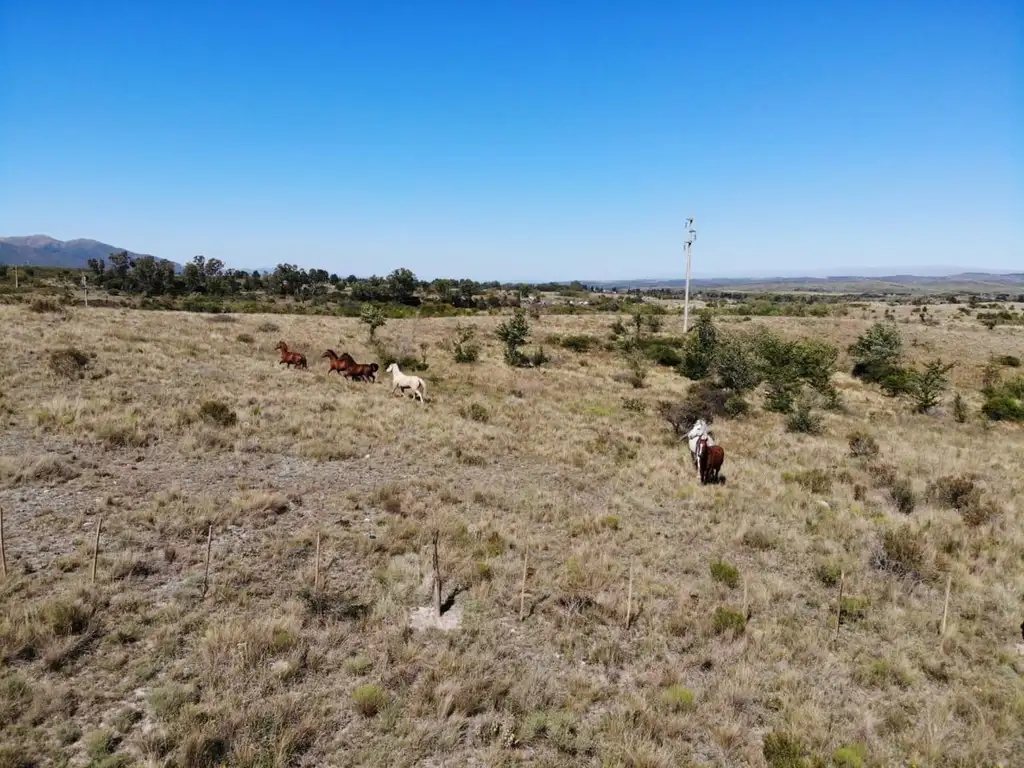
(960, 412)
(929, 384)
(372, 317)
(513, 333)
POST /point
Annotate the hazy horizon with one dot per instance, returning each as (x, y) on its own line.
(521, 142)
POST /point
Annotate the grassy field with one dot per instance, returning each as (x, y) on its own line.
(731, 655)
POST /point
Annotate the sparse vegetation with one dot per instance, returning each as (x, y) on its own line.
(575, 476)
(462, 344)
(69, 363)
(373, 318)
(218, 413)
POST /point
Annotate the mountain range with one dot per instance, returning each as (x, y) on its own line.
(45, 251)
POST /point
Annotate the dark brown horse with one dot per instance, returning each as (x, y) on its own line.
(345, 365)
(709, 460)
(291, 358)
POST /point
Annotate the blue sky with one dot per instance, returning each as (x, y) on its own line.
(521, 140)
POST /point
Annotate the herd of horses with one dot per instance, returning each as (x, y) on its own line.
(346, 366)
(707, 455)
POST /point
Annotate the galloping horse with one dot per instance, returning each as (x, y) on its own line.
(345, 365)
(291, 358)
(707, 455)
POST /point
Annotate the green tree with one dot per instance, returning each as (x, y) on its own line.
(372, 317)
(700, 347)
(514, 333)
(402, 285)
(929, 384)
(877, 352)
(735, 365)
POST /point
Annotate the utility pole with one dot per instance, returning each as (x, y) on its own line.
(691, 235)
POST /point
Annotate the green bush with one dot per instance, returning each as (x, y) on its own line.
(803, 420)
(724, 620)
(928, 385)
(960, 412)
(369, 700)
(724, 573)
(514, 333)
(461, 345)
(1005, 402)
(901, 491)
(783, 751)
(877, 350)
(580, 343)
(677, 698)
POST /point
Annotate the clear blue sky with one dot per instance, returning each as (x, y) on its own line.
(526, 140)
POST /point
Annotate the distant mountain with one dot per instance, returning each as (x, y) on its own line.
(44, 251)
(1014, 280)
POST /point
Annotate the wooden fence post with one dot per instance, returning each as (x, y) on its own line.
(316, 571)
(96, 547)
(839, 605)
(629, 596)
(945, 606)
(3, 547)
(209, 544)
(437, 578)
(522, 586)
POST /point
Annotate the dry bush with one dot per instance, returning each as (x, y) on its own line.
(45, 304)
(966, 497)
(70, 362)
(903, 552)
(218, 413)
(268, 327)
(862, 445)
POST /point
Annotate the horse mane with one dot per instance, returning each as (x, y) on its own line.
(329, 353)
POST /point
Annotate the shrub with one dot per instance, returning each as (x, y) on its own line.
(735, 366)
(634, 404)
(829, 573)
(876, 351)
(897, 381)
(218, 413)
(726, 574)
(862, 445)
(69, 363)
(539, 358)
(369, 700)
(1010, 361)
(462, 346)
(783, 751)
(724, 620)
(268, 327)
(478, 412)
(514, 333)
(853, 608)
(637, 370)
(244, 338)
(580, 343)
(780, 395)
(955, 492)
(960, 412)
(618, 328)
(700, 348)
(44, 304)
(1005, 402)
(813, 480)
(735, 406)
(663, 354)
(654, 323)
(901, 491)
(929, 384)
(902, 552)
(372, 317)
(803, 420)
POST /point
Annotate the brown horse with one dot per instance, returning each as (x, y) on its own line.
(291, 358)
(346, 366)
(709, 460)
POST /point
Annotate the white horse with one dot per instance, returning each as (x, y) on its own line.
(403, 382)
(699, 429)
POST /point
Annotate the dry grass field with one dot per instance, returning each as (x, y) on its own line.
(566, 465)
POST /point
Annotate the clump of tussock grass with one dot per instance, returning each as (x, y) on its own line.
(245, 338)
(40, 628)
(812, 480)
(69, 362)
(268, 327)
(903, 552)
(634, 404)
(727, 621)
(724, 573)
(677, 698)
(15, 471)
(902, 495)
(369, 700)
(862, 445)
(217, 412)
(118, 434)
(476, 412)
(783, 750)
(44, 304)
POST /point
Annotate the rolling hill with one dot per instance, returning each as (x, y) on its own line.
(45, 251)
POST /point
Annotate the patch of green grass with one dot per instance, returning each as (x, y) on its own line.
(677, 698)
(357, 665)
(781, 750)
(850, 756)
(724, 620)
(369, 700)
(724, 573)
